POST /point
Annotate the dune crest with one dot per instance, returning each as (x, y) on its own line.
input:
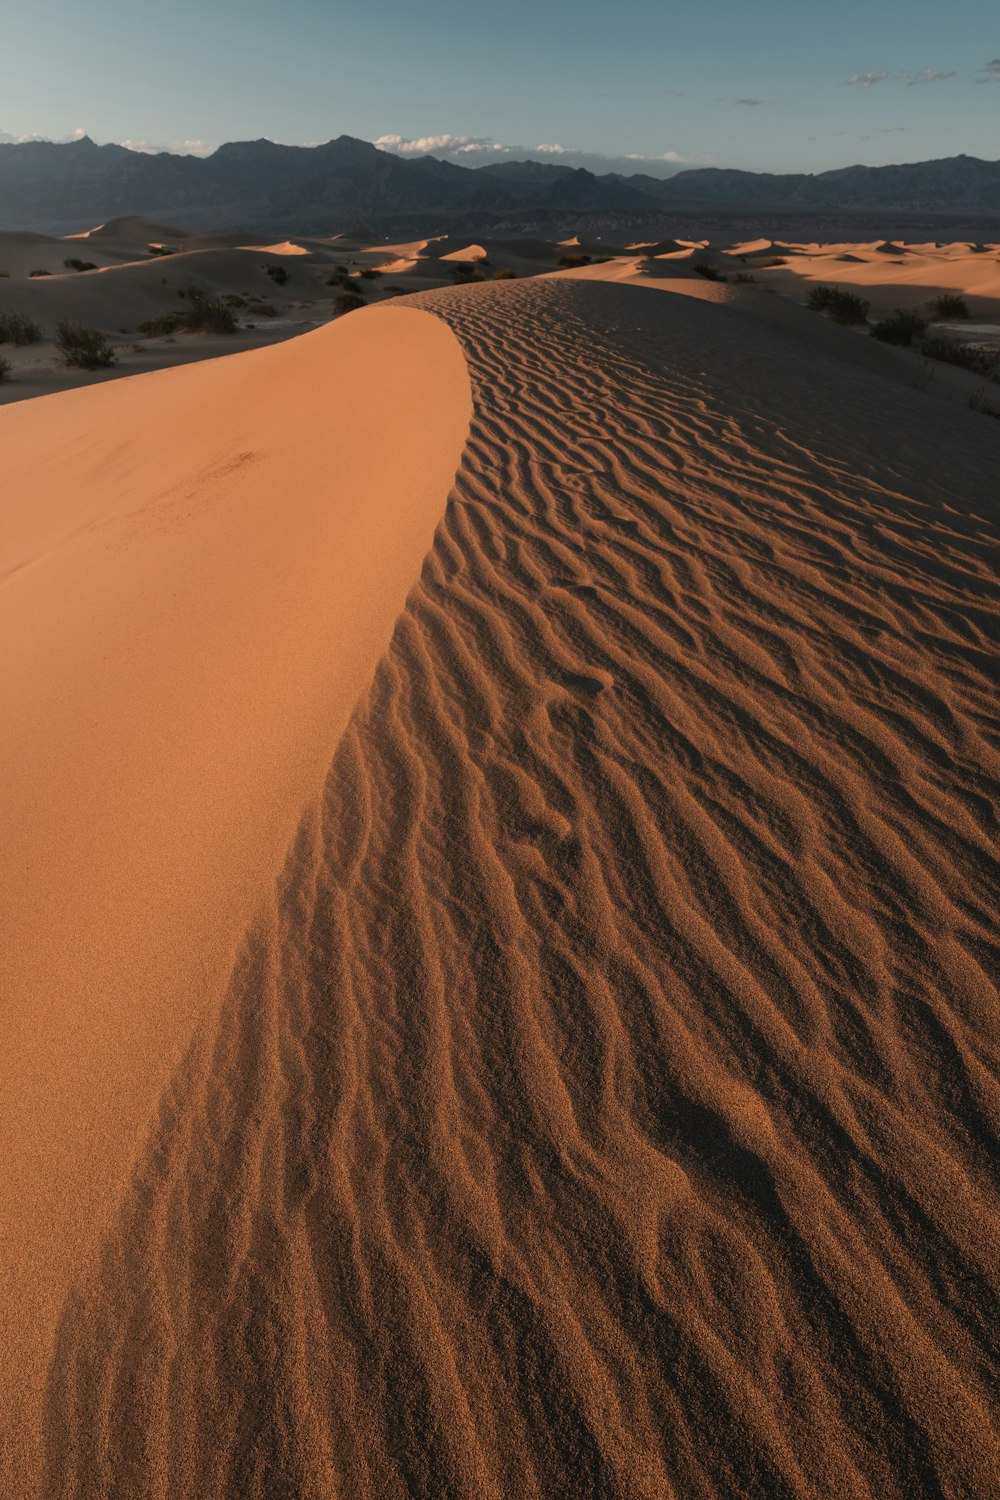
(605, 1105)
(200, 570)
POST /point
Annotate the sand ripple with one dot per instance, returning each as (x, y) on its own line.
(607, 1107)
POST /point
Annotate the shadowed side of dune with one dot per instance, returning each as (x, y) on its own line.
(606, 1105)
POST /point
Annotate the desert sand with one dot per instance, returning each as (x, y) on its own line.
(551, 1051)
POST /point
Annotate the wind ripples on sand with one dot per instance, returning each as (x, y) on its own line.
(607, 1106)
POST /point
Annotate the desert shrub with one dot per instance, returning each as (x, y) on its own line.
(775, 260)
(261, 310)
(39, 273)
(505, 274)
(278, 274)
(466, 270)
(205, 314)
(233, 299)
(340, 276)
(979, 401)
(602, 260)
(901, 328)
(574, 260)
(949, 305)
(5, 369)
(74, 263)
(160, 250)
(368, 273)
(84, 348)
(967, 356)
(161, 326)
(16, 328)
(843, 307)
(4, 273)
(706, 269)
(743, 278)
(347, 302)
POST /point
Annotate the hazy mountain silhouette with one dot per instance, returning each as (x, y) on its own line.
(348, 183)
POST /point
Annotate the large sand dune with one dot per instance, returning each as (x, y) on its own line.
(200, 569)
(604, 1102)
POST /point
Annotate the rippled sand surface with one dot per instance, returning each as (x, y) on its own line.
(605, 1105)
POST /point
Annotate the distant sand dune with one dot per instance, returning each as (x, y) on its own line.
(605, 1105)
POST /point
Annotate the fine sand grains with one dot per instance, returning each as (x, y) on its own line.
(606, 1106)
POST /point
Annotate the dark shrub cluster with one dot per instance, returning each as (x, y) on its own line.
(505, 274)
(843, 307)
(160, 250)
(706, 269)
(347, 301)
(39, 273)
(901, 328)
(966, 356)
(743, 278)
(949, 305)
(204, 314)
(278, 274)
(160, 327)
(466, 270)
(574, 260)
(16, 328)
(74, 263)
(84, 348)
(5, 368)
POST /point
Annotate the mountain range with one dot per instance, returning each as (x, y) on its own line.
(348, 184)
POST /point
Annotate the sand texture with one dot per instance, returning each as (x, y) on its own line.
(201, 569)
(604, 1104)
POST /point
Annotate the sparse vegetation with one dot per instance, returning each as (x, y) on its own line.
(160, 327)
(16, 328)
(347, 301)
(160, 250)
(38, 273)
(902, 328)
(368, 273)
(569, 261)
(278, 274)
(83, 348)
(74, 263)
(205, 314)
(5, 369)
(505, 274)
(971, 357)
(949, 305)
(743, 278)
(978, 401)
(706, 269)
(775, 260)
(233, 299)
(843, 307)
(466, 270)
(261, 310)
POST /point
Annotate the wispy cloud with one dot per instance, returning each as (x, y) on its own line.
(481, 150)
(903, 75)
(6, 139)
(866, 80)
(930, 75)
(425, 145)
(172, 148)
(989, 72)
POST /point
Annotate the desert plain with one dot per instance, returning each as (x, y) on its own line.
(500, 863)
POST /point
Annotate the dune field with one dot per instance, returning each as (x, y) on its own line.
(501, 864)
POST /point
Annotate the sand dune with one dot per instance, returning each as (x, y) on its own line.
(604, 1103)
(200, 569)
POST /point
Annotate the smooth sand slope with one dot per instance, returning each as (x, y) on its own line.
(200, 569)
(605, 1104)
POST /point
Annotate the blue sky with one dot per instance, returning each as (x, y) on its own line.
(651, 85)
